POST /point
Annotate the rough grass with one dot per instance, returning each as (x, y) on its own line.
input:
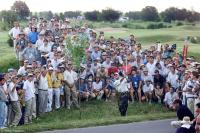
(96, 113)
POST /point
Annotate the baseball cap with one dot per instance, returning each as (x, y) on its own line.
(1, 76)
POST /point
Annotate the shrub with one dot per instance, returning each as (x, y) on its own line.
(179, 24)
(110, 15)
(151, 26)
(156, 26)
(125, 25)
(195, 40)
(10, 42)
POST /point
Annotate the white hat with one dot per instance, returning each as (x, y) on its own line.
(29, 66)
(186, 120)
(169, 65)
(83, 65)
(30, 74)
(50, 68)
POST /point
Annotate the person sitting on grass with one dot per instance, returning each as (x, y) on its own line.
(109, 88)
(82, 90)
(170, 97)
(148, 89)
(158, 92)
(89, 88)
(98, 88)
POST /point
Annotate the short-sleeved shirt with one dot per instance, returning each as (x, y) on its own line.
(97, 86)
(135, 80)
(12, 94)
(29, 90)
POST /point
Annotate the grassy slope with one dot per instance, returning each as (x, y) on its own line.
(7, 56)
(96, 113)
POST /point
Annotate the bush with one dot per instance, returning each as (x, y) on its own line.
(195, 40)
(110, 15)
(4, 26)
(125, 25)
(179, 24)
(92, 16)
(156, 26)
(10, 42)
(151, 26)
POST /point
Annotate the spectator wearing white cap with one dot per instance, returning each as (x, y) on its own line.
(43, 92)
(29, 95)
(70, 88)
(148, 90)
(15, 104)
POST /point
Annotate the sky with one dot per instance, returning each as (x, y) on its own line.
(89, 5)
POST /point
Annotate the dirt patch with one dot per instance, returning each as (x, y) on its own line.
(112, 30)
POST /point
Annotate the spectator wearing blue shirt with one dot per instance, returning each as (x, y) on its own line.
(33, 35)
(96, 53)
(82, 90)
(109, 88)
(136, 84)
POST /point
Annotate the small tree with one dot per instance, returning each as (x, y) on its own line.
(92, 16)
(9, 17)
(134, 15)
(61, 15)
(110, 15)
(150, 13)
(21, 9)
(72, 14)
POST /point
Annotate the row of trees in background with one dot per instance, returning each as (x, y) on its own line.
(105, 15)
(150, 13)
(20, 11)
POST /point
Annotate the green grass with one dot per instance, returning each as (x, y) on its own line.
(95, 113)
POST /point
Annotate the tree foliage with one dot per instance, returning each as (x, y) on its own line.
(173, 13)
(150, 13)
(110, 15)
(92, 16)
(72, 14)
(8, 17)
(21, 9)
(136, 15)
(46, 14)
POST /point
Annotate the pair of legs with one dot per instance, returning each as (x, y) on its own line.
(123, 104)
(137, 93)
(98, 94)
(148, 96)
(71, 92)
(109, 93)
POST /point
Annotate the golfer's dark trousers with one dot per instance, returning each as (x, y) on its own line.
(123, 103)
